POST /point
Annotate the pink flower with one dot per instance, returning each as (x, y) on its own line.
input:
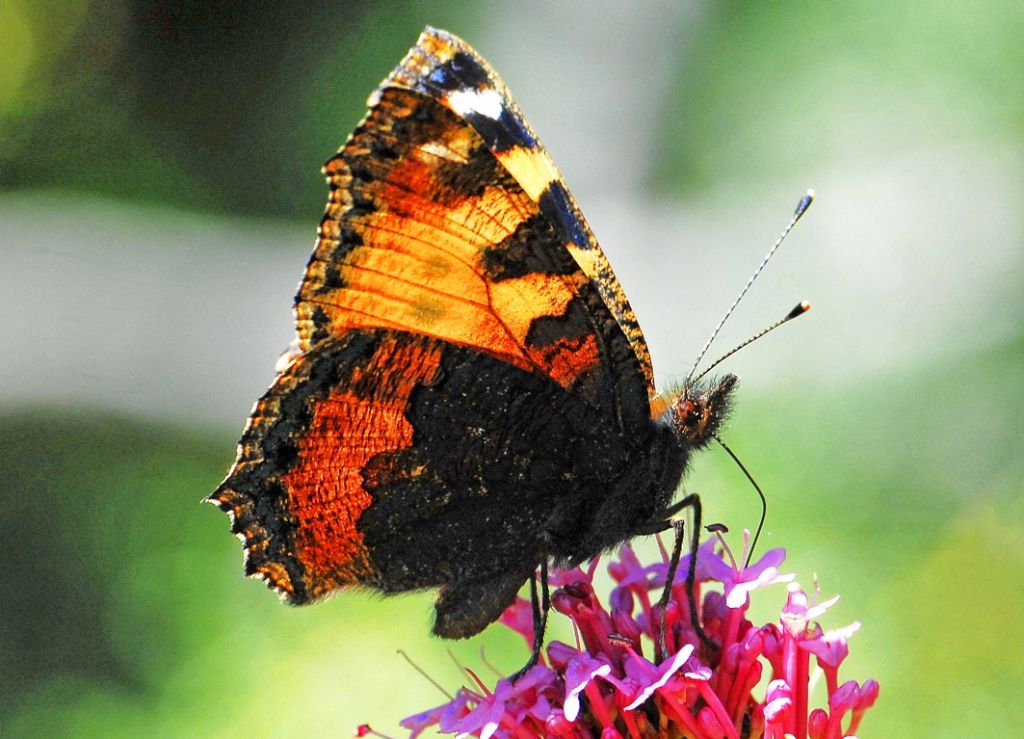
(519, 618)
(606, 687)
(798, 611)
(741, 581)
(643, 678)
(580, 672)
(831, 649)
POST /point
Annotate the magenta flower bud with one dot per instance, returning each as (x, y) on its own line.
(519, 618)
(777, 699)
(708, 722)
(868, 694)
(845, 698)
(817, 723)
(794, 613)
(621, 600)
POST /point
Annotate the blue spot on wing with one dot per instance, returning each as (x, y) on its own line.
(440, 78)
(557, 208)
(503, 134)
(461, 72)
(516, 128)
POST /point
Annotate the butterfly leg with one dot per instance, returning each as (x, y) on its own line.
(541, 605)
(664, 520)
(689, 501)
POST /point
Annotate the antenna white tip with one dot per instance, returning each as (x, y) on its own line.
(801, 208)
(802, 307)
(803, 205)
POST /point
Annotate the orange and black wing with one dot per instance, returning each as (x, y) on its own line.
(466, 370)
(447, 218)
(399, 461)
(445, 68)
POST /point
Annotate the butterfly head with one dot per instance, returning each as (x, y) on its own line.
(700, 409)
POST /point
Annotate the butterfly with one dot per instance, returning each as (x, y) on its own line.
(468, 395)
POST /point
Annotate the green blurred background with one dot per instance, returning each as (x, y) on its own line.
(159, 192)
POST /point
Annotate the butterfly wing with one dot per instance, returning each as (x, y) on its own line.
(426, 231)
(460, 380)
(446, 68)
(400, 461)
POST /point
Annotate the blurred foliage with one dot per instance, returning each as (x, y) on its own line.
(861, 72)
(124, 612)
(208, 106)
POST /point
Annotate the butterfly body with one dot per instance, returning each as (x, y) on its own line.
(469, 393)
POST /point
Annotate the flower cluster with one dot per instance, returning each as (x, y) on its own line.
(605, 686)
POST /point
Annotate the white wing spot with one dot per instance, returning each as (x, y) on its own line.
(483, 102)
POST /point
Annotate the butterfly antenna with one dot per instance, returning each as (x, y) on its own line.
(801, 308)
(760, 493)
(801, 208)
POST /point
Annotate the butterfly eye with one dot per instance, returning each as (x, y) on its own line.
(689, 413)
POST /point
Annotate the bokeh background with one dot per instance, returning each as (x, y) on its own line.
(159, 192)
